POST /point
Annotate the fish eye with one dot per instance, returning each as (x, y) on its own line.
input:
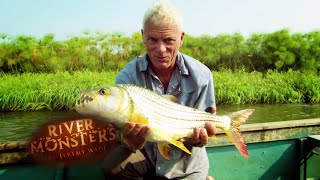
(102, 91)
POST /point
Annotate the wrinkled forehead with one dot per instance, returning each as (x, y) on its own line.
(161, 26)
(166, 30)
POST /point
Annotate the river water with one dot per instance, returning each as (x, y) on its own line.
(18, 126)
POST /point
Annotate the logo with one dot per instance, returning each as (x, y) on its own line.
(72, 141)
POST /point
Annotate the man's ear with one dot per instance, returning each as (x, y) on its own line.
(181, 37)
(142, 35)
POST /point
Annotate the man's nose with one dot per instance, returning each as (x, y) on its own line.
(162, 46)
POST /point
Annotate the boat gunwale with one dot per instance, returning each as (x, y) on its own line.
(280, 124)
(253, 133)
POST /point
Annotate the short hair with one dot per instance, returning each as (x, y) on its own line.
(163, 12)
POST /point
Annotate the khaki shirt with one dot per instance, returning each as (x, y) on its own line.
(192, 84)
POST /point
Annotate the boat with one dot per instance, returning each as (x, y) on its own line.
(277, 150)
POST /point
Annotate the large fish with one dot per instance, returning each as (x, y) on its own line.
(168, 121)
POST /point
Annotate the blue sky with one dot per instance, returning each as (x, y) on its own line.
(66, 18)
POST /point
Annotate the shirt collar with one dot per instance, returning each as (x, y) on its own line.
(143, 64)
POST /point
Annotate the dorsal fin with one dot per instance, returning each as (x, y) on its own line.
(240, 116)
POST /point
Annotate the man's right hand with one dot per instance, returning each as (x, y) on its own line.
(134, 135)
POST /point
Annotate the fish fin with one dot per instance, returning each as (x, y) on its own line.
(170, 97)
(164, 149)
(240, 116)
(238, 141)
(138, 118)
(237, 118)
(180, 145)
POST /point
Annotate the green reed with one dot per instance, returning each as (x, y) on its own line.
(241, 87)
(60, 91)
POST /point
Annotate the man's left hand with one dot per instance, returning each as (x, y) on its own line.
(201, 136)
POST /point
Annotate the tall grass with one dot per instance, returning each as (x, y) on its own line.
(60, 91)
(241, 87)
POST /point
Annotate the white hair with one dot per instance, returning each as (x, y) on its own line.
(163, 12)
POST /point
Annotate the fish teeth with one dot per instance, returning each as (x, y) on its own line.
(78, 104)
(85, 99)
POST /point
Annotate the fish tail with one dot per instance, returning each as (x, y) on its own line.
(237, 118)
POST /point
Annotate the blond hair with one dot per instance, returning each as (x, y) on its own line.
(163, 12)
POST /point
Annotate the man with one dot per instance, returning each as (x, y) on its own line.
(165, 70)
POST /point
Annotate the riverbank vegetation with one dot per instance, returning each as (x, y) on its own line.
(60, 91)
(48, 74)
(280, 50)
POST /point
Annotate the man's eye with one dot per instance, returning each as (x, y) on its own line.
(152, 40)
(169, 41)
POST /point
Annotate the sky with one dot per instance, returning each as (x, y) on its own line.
(66, 18)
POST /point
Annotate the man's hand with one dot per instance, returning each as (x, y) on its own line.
(134, 135)
(200, 136)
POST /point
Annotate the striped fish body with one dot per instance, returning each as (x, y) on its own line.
(168, 121)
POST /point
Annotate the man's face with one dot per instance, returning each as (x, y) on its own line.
(162, 43)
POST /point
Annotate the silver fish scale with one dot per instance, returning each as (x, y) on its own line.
(165, 113)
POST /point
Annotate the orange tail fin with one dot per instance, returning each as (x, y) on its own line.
(234, 133)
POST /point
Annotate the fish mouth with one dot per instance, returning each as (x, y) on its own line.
(85, 99)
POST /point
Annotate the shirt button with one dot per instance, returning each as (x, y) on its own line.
(159, 168)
